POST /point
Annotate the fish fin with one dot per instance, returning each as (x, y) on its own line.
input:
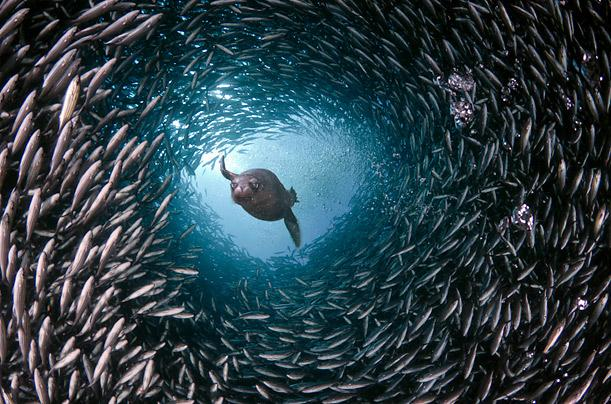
(227, 174)
(293, 196)
(293, 227)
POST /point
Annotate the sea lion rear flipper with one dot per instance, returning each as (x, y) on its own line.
(227, 174)
(293, 227)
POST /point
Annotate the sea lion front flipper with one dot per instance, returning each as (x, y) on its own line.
(293, 196)
(227, 174)
(293, 226)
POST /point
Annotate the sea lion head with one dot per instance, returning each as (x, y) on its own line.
(245, 188)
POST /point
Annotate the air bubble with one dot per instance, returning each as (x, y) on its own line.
(461, 82)
(462, 111)
(523, 218)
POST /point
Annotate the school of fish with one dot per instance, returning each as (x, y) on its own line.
(489, 281)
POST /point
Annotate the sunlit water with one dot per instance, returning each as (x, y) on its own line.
(325, 171)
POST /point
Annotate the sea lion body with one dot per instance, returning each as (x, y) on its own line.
(262, 195)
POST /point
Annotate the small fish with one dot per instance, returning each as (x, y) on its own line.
(19, 291)
(57, 49)
(81, 254)
(84, 298)
(145, 28)
(13, 22)
(114, 332)
(117, 26)
(169, 312)
(98, 79)
(255, 316)
(70, 100)
(101, 364)
(132, 373)
(33, 213)
(41, 387)
(84, 183)
(95, 11)
(67, 360)
(185, 271)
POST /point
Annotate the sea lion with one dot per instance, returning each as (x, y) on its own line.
(262, 195)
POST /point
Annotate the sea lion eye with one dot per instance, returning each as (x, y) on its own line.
(254, 185)
(233, 185)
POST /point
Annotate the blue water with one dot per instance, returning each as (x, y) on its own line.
(321, 160)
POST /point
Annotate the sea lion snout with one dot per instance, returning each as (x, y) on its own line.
(242, 193)
(244, 188)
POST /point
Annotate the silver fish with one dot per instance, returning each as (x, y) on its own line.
(67, 359)
(70, 100)
(33, 213)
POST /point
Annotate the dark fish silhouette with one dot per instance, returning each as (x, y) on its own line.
(260, 193)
